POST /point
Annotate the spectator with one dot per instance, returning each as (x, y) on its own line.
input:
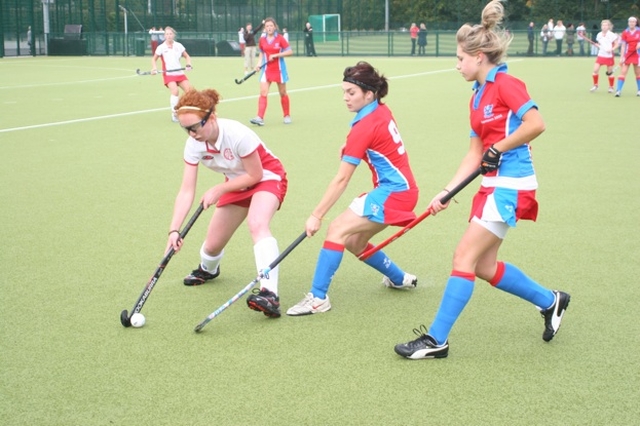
(558, 34)
(544, 37)
(250, 46)
(308, 40)
(571, 37)
(153, 33)
(285, 34)
(594, 35)
(581, 31)
(241, 41)
(413, 32)
(422, 40)
(530, 37)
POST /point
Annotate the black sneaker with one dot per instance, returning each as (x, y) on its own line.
(200, 276)
(265, 301)
(423, 347)
(553, 315)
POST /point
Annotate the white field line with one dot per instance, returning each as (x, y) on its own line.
(146, 111)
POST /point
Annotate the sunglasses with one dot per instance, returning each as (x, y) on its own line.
(195, 127)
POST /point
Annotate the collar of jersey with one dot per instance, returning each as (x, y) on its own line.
(366, 110)
(491, 77)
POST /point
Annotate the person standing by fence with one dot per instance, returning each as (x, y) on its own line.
(308, 40)
(422, 40)
(250, 46)
(413, 33)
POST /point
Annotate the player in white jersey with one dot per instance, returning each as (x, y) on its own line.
(254, 188)
(607, 43)
(170, 52)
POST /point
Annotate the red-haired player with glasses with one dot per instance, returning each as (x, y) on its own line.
(504, 120)
(254, 188)
(273, 49)
(374, 138)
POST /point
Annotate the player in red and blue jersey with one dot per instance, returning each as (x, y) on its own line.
(273, 49)
(629, 43)
(374, 138)
(504, 120)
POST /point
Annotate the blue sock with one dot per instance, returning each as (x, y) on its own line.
(638, 83)
(380, 262)
(514, 281)
(328, 262)
(620, 84)
(456, 295)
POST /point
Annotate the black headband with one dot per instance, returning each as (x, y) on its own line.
(365, 86)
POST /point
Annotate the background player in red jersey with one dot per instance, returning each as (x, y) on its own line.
(273, 49)
(374, 138)
(504, 120)
(629, 43)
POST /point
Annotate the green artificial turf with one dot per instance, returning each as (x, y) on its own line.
(90, 164)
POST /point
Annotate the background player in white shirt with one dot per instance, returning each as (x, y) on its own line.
(170, 52)
(254, 188)
(606, 42)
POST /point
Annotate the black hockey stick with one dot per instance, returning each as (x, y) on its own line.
(251, 74)
(125, 318)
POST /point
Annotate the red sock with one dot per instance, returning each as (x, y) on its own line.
(611, 79)
(262, 106)
(595, 79)
(284, 101)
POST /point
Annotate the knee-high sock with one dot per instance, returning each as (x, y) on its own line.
(284, 101)
(456, 295)
(595, 79)
(638, 83)
(209, 263)
(265, 252)
(611, 80)
(173, 101)
(512, 280)
(380, 262)
(328, 262)
(262, 106)
(620, 83)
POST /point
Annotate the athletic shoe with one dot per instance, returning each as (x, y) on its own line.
(257, 121)
(553, 315)
(200, 276)
(310, 305)
(610, 89)
(638, 94)
(409, 281)
(287, 119)
(174, 117)
(618, 94)
(423, 347)
(594, 88)
(264, 301)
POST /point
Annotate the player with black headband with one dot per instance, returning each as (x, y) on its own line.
(374, 138)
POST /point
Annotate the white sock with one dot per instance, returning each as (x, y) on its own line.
(210, 263)
(265, 252)
(173, 101)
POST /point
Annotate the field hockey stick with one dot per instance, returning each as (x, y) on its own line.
(368, 253)
(125, 318)
(248, 76)
(263, 274)
(159, 71)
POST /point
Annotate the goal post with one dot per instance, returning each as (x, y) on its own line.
(325, 27)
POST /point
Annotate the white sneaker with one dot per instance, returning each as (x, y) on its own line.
(257, 120)
(310, 305)
(610, 89)
(594, 88)
(638, 94)
(174, 117)
(409, 281)
(618, 94)
(287, 119)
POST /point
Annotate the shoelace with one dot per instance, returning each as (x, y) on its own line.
(421, 332)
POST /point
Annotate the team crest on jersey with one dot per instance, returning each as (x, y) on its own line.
(207, 157)
(488, 111)
(375, 209)
(227, 154)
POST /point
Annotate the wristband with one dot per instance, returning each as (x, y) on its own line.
(319, 218)
(172, 231)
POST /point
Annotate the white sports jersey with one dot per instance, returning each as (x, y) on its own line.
(606, 43)
(235, 141)
(170, 57)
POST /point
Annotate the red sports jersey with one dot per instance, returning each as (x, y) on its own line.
(631, 40)
(275, 71)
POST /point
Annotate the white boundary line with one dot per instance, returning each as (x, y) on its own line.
(146, 111)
